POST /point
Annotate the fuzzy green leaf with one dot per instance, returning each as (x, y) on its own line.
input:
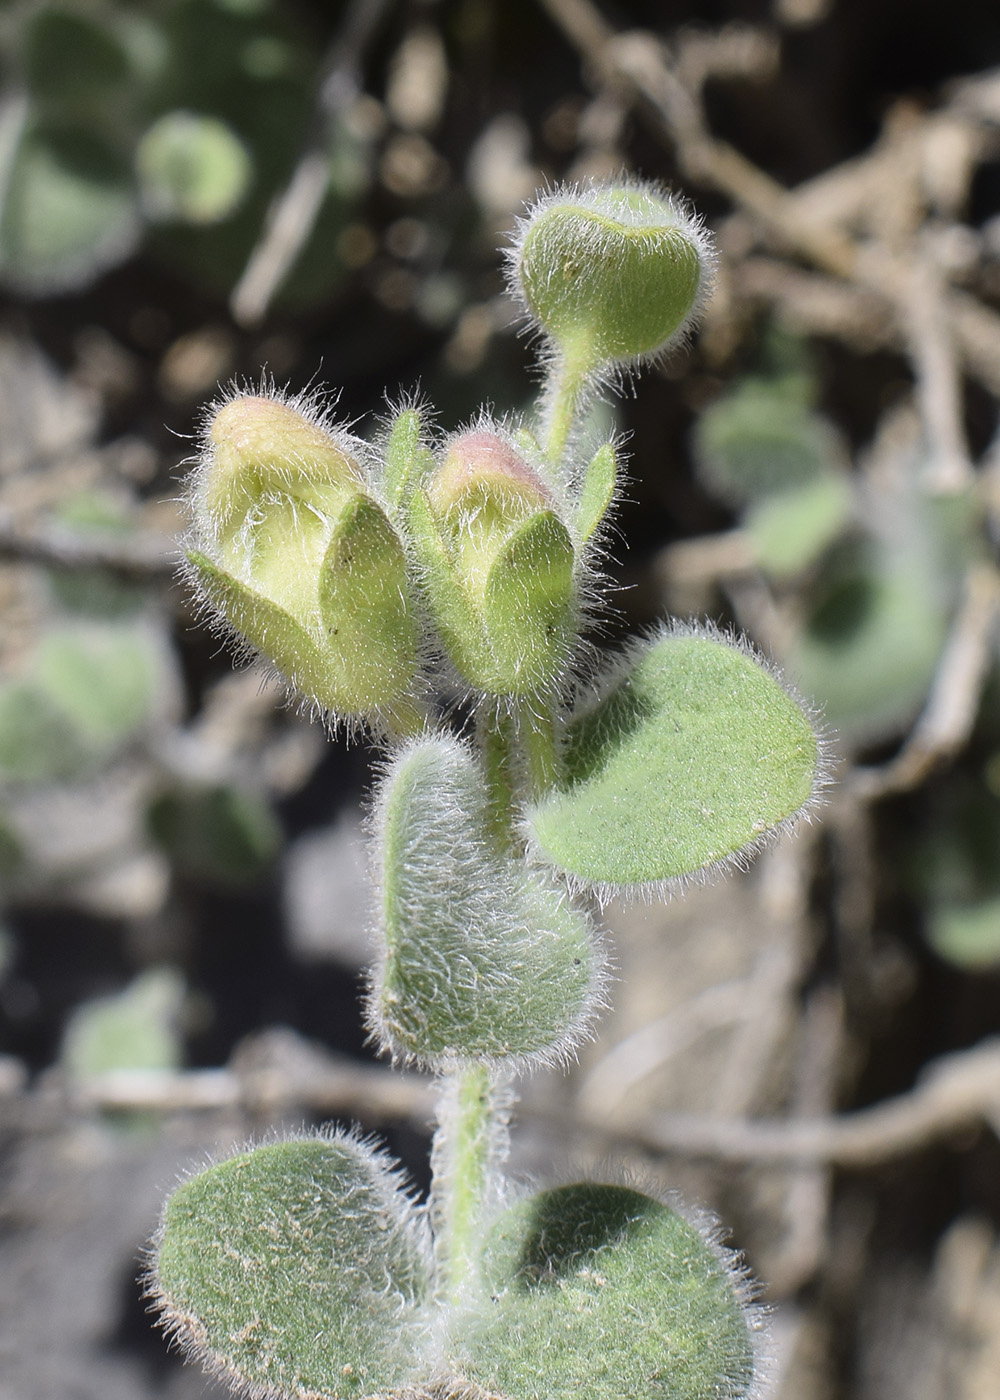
(693, 756)
(596, 1292)
(482, 958)
(296, 1270)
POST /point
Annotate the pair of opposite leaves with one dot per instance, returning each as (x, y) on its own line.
(301, 1270)
(695, 754)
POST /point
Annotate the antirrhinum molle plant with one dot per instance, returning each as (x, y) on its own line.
(385, 583)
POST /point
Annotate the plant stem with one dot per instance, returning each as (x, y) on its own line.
(495, 737)
(469, 1144)
(567, 380)
(537, 735)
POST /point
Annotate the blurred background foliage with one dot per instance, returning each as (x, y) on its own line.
(197, 190)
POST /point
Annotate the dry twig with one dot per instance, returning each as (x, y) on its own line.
(293, 214)
(955, 1093)
(947, 720)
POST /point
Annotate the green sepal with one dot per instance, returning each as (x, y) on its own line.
(406, 459)
(269, 629)
(456, 620)
(364, 606)
(481, 957)
(510, 639)
(528, 606)
(362, 658)
(593, 1292)
(597, 491)
(297, 1270)
(695, 754)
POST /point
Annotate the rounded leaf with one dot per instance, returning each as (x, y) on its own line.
(481, 958)
(761, 439)
(694, 755)
(597, 1292)
(789, 530)
(296, 1270)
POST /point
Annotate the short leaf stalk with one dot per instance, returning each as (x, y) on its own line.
(380, 580)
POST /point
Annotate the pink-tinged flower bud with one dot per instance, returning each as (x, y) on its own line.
(498, 564)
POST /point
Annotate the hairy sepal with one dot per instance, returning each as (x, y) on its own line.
(480, 957)
(594, 1292)
(298, 1270)
(695, 755)
(597, 491)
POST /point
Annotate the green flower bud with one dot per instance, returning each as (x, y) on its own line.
(300, 560)
(498, 566)
(613, 274)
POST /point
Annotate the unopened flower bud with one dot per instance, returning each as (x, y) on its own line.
(612, 274)
(301, 560)
(498, 565)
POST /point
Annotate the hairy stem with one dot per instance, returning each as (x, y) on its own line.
(495, 736)
(469, 1146)
(567, 380)
(537, 735)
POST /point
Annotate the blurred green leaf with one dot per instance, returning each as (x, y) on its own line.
(790, 529)
(192, 168)
(36, 745)
(136, 1029)
(70, 210)
(70, 54)
(760, 439)
(225, 835)
(105, 680)
(871, 645)
(967, 935)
